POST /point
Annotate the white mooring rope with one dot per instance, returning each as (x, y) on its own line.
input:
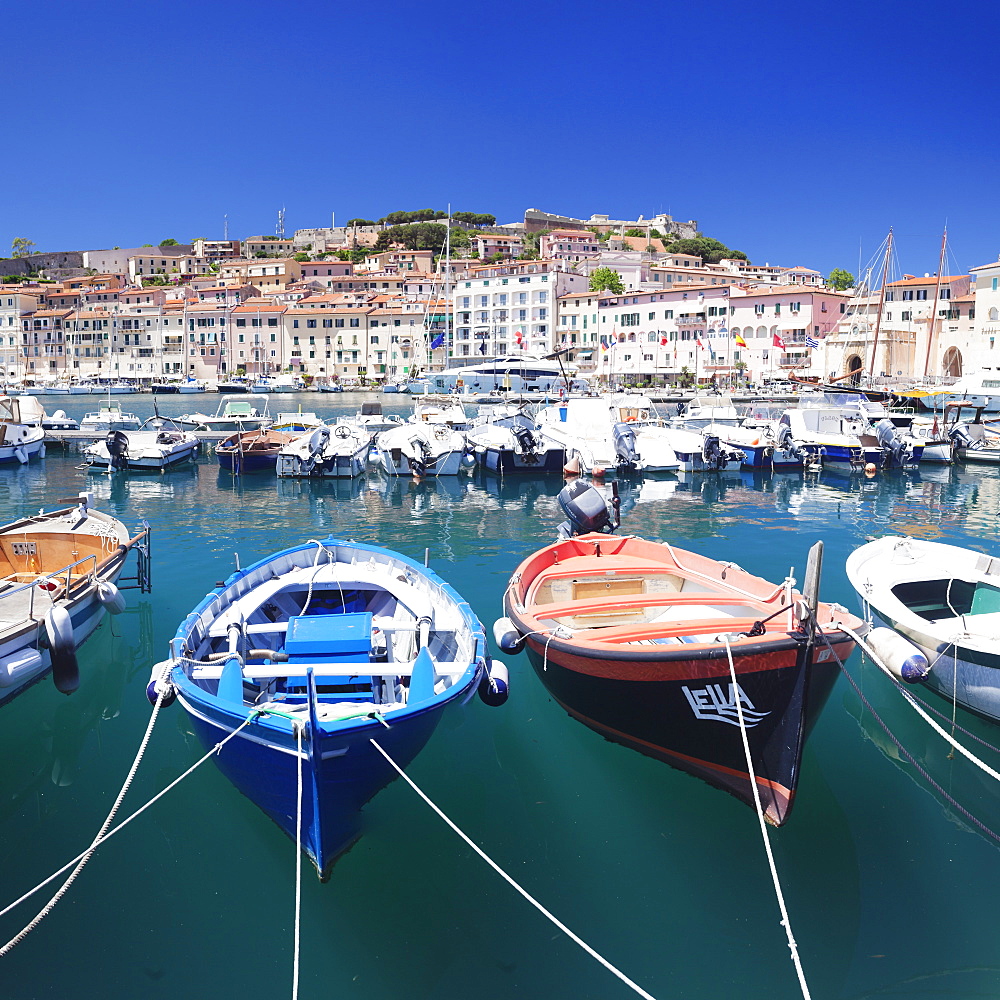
(298, 864)
(507, 878)
(114, 830)
(88, 853)
(981, 764)
(785, 921)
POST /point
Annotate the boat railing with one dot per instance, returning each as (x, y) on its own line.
(67, 581)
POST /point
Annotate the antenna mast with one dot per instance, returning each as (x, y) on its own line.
(279, 229)
(225, 227)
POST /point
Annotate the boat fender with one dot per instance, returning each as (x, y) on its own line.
(155, 686)
(507, 637)
(111, 597)
(62, 650)
(493, 688)
(41, 450)
(21, 455)
(469, 459)
(902, 658)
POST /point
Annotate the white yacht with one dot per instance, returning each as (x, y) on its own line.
(513, 373)
(234, 413)
(21, 431)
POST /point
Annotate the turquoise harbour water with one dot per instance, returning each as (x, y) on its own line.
(890, 890)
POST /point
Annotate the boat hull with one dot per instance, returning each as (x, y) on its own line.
(341, 771)
(506, 461)
(683, 711)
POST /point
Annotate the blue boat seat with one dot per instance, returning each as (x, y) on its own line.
(328, 640)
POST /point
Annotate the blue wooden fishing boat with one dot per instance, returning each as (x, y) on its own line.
(308, 656)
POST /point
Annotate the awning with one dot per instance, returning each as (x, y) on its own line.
(585, 355)
(921, 393)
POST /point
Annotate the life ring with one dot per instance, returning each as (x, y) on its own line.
(630, 420)
(62, 650)
(441, 433)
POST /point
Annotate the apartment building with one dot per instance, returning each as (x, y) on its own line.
(509, 307)
(569, 244)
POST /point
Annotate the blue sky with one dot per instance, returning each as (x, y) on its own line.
(796, 134)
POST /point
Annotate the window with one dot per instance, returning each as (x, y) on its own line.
(922, 294)
(355, 321)
(272, 321)
(338, 322)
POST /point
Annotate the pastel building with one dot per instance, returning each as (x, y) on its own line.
(509, 308)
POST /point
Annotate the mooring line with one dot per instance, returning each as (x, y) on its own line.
(121, 826)
(785, 921)
(507, 878)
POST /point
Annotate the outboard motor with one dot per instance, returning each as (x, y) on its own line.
(527, 443)
(117, 444)
(960, 436)
(623, 436)
(587, 510)
(893, 446)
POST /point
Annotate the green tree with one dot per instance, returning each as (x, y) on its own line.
(459, 237)
(21, 246)
(709, 250)
(840, 279)
(302, 257)
(360, 222)
(168, 243)
(606, 279)
(634, 232)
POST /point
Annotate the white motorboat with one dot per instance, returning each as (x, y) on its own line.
(155, 447)
(371, 418)
(448, 412)
(109, 417)
(506, 440)
(21, 433)
(834, 432)
(66, 388)
(234, 413)
(57, 577)
(337, 452)
(946, 601)
(974, 440)
(601, 433)
(422, 450)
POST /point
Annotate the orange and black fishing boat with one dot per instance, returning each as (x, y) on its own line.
(677, 655)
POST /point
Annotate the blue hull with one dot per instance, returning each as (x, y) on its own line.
(341, 771)
(765, 457)
(247, 462)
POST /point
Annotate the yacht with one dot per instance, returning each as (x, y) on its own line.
(520, 373)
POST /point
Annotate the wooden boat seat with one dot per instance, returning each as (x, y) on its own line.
(666, 630)
(570, 609)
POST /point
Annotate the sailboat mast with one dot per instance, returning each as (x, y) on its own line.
(881, 303)
(447, 288)
(937, 296)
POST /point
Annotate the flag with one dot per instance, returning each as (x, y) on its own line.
(740, 342)
(697, 340)
(777, 341)
(482, 347)
(663, 340)
(812, 342)
(437, 341)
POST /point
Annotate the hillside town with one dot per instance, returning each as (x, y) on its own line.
(356, 304)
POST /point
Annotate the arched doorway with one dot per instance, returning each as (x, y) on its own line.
(951, 363)
(854, 366)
